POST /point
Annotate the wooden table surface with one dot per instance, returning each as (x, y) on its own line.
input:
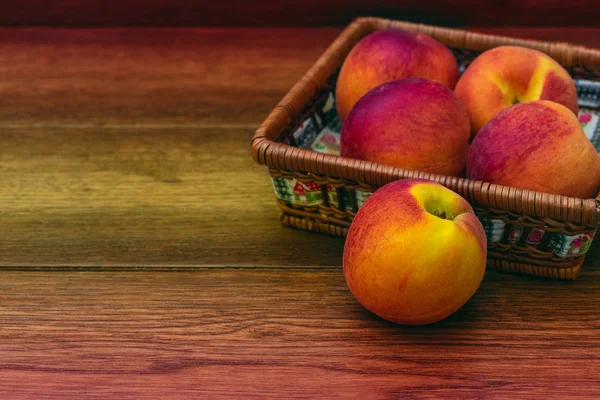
(143, 255)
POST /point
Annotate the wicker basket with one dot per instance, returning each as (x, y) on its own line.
(528, 232)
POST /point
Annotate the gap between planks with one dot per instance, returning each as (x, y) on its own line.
(160, 268)
(131, 126)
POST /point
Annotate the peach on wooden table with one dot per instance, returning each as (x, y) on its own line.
(415, 252)
(388, 55)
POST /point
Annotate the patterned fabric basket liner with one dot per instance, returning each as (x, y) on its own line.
(517, 242)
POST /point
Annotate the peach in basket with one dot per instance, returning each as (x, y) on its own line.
(538, 146)
(507, 75)
(410, 123)
(388, 55)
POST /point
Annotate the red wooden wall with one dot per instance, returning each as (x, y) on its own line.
(298, 12)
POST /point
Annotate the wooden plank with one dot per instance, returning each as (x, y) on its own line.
(146, 197)
(150, 76)
(265, 333)
(295, 12)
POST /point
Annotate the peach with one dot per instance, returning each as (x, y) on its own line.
(538, 146)
(411, 123)
(507, 75)
(389, 55)
(415, 252)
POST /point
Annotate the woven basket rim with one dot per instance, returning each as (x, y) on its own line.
(266, 151)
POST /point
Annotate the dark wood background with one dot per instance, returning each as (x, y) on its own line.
(298, 12)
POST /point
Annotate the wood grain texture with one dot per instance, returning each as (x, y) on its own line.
(148, 76)
(296, 12)
(264, 333)
(149, 197)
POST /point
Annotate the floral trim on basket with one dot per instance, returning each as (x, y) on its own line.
(494, 229)
(563, 245)
(514, 233)
(588, 93)
(590, 121)
(294, 192)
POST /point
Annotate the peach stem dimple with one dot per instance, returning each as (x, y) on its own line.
(441, 214)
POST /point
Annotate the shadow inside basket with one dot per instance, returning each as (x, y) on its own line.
(330, 204)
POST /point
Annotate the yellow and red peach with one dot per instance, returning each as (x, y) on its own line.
(538, 146)
(411, 123)
(507, 75)
(389, 55)
(415, 252)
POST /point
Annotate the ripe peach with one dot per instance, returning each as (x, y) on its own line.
(539, 146)
(507, 75)
(415, 252)
(411, 123)
(388, 55)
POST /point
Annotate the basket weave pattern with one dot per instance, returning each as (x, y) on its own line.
(524, 228)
